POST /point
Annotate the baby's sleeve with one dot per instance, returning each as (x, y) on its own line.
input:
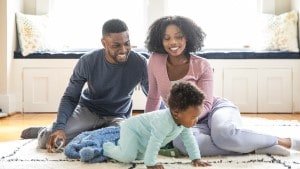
(190, 143)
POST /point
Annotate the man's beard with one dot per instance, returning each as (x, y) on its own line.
(119, 58)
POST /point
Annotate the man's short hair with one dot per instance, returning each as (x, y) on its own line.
(114, 26)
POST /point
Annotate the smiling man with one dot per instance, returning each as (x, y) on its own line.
(111, 74)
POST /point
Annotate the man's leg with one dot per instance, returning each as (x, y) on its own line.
(112, 121)
(81, 120)
(31, 132)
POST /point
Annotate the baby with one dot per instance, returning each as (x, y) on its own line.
(142, 136)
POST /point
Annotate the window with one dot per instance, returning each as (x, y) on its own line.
(227, 23)
(78, 23)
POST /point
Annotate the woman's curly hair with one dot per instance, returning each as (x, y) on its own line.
(183, 95)
(191, 31)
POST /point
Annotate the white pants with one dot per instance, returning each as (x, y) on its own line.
(221, 133)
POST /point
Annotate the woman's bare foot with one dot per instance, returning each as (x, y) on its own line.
(290, 143)
(285, 142)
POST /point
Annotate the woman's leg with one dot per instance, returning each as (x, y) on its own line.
(224, 136)
(227, 132)
(205, 143)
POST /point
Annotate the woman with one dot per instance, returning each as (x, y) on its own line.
(171, 41)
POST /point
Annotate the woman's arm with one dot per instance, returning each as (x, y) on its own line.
(205, 82)
(153, 99)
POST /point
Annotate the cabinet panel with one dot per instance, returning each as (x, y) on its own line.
(275, 90)
(240, 87)
(139, 99)
(43, 88)
(262, 90)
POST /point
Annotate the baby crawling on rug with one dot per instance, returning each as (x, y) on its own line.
(142, 136)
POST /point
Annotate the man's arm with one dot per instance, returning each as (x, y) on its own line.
(144, 82)
(71, 96)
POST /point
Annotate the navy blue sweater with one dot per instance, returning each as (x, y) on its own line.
(109, 86)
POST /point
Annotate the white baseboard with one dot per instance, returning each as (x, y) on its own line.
(3, 114)
(7, 104)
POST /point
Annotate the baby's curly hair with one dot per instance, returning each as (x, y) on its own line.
(183, 95)
(191, 31)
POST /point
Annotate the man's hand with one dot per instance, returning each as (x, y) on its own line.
(56, 138)
(199, 163)
(156, 167)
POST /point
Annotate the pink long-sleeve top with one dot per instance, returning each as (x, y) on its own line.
(200, 73)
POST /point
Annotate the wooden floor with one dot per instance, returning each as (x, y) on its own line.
(12, 126)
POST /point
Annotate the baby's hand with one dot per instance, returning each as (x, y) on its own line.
(156, 167)
(199, 163)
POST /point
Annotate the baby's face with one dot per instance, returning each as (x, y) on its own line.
(189, 117)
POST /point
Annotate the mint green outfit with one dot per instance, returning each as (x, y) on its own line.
(142, 136)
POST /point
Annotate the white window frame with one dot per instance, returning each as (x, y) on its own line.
(152, 10)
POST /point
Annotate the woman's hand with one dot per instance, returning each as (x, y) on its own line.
(199, 163)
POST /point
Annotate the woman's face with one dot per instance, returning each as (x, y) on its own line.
(174, 41)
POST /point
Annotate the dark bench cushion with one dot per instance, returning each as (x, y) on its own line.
(249, 54)
(50, 55)
(212, 54)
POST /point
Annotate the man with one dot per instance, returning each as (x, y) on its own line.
(111, 74)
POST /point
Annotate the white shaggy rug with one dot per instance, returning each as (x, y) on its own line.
(22, 154)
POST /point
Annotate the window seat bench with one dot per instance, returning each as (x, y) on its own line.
(209, 54)
(247, 78)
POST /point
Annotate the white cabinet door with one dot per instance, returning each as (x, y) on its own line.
(218, 81)
(240, 87)
(262, 90)
(43, 88)
(275, 90)
(139, 99)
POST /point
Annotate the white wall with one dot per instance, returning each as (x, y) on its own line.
(295, 4)
(36, 6)
(3, 58)
(3, 45)
(7, 47)
(282, 6)
(156, 9)
(274, 6)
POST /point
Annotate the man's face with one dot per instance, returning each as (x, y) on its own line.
(117, 47)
